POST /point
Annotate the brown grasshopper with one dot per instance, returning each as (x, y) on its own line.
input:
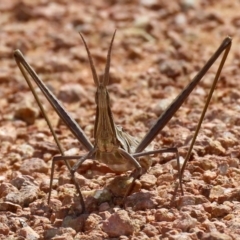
(112, 146)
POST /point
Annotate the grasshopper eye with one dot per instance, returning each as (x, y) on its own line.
(96, 97)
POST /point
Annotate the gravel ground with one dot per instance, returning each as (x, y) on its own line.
(158, 49)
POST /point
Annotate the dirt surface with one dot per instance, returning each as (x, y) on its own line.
(159, 47)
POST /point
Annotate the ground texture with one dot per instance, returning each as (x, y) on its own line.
(159, 47)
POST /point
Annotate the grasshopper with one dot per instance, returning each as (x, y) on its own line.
(112, 146)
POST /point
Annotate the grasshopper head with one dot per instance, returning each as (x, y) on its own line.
(102, 96)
